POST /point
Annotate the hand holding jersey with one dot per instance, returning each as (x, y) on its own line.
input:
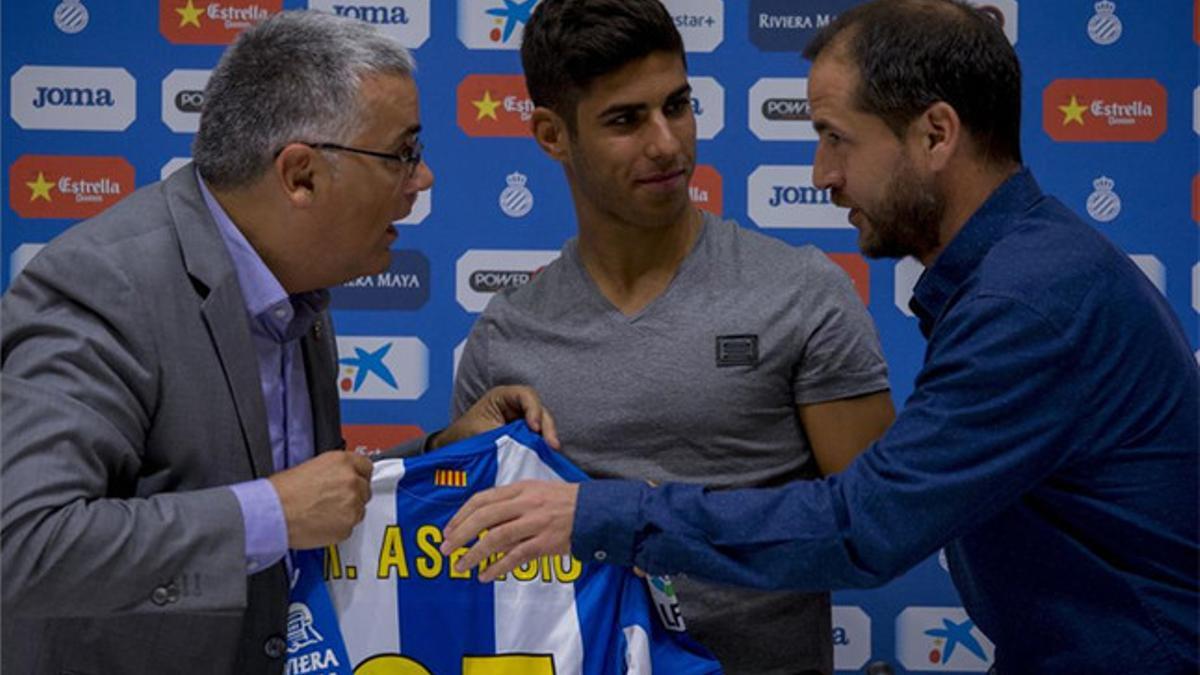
(387, 598)
(1065, 498)
(323, 498)
(499, 406)
(523, 521)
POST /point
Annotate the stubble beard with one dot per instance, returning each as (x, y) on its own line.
(908, 220)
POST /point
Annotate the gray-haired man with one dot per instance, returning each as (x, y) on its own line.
(168, 369)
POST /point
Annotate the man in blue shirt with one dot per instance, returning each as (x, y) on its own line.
(1051, 442)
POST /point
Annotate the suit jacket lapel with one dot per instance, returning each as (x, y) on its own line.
(224, 311)
(320, 368)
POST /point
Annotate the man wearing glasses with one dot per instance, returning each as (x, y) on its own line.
(170, 417)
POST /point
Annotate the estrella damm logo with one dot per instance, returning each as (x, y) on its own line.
(202, 22)
(373, 439)
(450, 478)
(63, 186)
(1106, 110)
(494, 105)
(705, 189)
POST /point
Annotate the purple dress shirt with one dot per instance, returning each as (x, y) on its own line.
(277, 322)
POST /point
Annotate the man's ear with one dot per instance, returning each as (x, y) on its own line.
(551, 133)
(299, 171)
(940, 134)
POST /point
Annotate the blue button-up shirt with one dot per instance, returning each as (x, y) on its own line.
(277, 322)
(1051, 445)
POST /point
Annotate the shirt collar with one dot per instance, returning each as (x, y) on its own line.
(284, 317)
(958, 261)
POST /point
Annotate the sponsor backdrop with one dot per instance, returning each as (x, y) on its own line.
(103, 97)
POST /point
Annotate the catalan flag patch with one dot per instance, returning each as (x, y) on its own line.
(450, 478)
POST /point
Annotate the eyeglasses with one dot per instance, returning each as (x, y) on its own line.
(409, 156)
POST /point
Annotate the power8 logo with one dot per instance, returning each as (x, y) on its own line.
(189, 101)
(183, 99)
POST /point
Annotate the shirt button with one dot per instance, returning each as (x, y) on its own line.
(600, 555)
(281, 312)
(274, 647)
(160, 596)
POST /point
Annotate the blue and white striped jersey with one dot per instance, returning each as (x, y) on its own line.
(386, 601)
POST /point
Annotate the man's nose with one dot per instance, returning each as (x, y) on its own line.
(662, 139)
(825, 175)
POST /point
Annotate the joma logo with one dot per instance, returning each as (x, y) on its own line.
(73, 96)
(376, 15)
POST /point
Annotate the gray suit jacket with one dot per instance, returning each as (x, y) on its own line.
(130, 398)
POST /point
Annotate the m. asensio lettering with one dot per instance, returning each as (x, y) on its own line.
(405, 556)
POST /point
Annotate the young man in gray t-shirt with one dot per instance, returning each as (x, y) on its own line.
(671, 345)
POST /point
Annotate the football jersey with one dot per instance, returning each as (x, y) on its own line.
(387, 602)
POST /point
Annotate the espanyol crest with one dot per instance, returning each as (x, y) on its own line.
(1104, 205)
(71, 16)
(1105, 28)
(516, 200)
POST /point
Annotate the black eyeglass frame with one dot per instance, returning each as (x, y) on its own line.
(410, 154)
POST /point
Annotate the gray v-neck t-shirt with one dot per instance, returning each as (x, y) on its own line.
(699, 386)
